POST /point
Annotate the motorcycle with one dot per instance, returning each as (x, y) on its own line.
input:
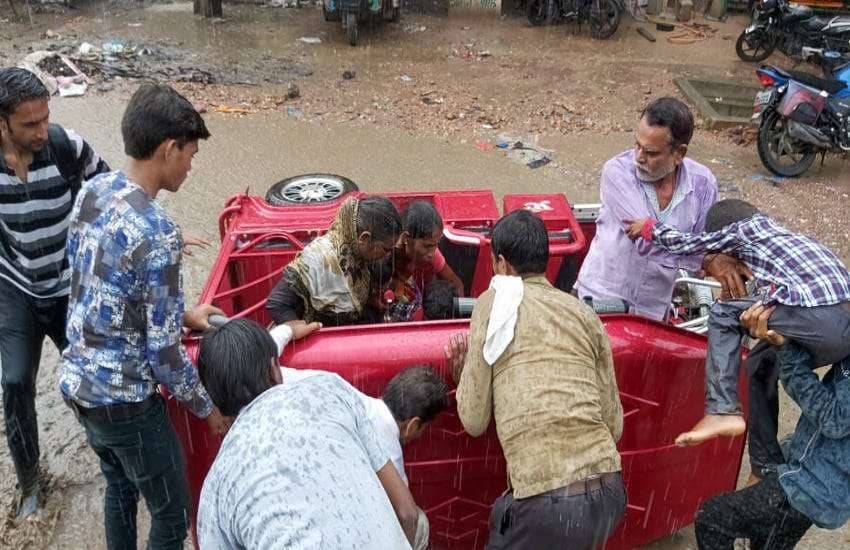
(801, 115)
(603, 15)
(778, 24)
(353, 12)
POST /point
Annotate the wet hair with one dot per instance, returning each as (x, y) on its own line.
(421, 219)
(378, 216)
(438, 302)
(234, 362)
(727, 212)
(522, 239)
(16, 87)
(673, 114)
(417, 391)
(157, 113)
(381, 271)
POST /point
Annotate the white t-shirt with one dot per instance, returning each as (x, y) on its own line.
(376, 411)
(297, 471)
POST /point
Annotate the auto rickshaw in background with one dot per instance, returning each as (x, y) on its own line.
(354, 12)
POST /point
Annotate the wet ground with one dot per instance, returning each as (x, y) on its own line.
(470, 79)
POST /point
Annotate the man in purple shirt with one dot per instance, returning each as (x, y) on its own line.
(653, 180)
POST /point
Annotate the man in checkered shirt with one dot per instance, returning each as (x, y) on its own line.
(805, 283)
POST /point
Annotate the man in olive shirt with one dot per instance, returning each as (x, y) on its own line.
(540, 360)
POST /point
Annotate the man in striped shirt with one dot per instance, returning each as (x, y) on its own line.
(808, 286)
(41, 170)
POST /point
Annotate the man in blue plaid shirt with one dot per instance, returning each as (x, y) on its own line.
(125, 320)
(806, 284)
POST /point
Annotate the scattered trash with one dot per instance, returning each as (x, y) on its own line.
(756, 177)
(294, 112)
(539, 162)
(428, 100)
(49, 33)
(484, 146)
(722, 162)
(465, 28)
(406, 78)
(487, 126)
(134, 25)
(410, 29)
(292, 91)
(348, 75)
(646, 34)
(113, 47)
(71, 86)
(484, 53)
(86, 48)
(310, 40)
(665, 27)
(503, 145)
(233, 110)
(775, 181)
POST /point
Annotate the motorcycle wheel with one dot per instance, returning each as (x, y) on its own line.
(778, 152)
(351, 30)
(605, 17)
(541, 12)
(755, 46)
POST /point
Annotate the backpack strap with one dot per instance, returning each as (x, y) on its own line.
(65, 156)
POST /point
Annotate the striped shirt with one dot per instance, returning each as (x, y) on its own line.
(34, 218)
(798, 270)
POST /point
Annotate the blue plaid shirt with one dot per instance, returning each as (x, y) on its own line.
(125, 312)
(798, 270)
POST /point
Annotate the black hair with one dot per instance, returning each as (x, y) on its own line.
(727, 212)
(522, 239)
(234, 362)
(156, 113)
(17, 86)
(421, 219)
(438, 302)
(673, 114)
(417, 391)
(381, 271)
(378, 216)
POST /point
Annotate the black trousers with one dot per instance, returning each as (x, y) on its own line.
(24, 323)
(551, 520)
(760, 513)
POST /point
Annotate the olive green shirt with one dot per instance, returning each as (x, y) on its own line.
(552, 391)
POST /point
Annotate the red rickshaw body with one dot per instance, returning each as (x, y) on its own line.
(453, 477)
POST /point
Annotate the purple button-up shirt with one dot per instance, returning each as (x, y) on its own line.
(635, 271)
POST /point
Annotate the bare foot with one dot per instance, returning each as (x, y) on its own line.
(753, 479)
(712, 425)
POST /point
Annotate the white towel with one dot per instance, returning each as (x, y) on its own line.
(503, 314)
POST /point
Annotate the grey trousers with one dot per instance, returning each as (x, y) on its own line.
(824, 331)
(551, 521)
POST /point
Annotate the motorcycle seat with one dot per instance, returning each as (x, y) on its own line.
(814, 24)
(829, 85)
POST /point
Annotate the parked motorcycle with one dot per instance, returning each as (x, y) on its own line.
(801, 115)
(602, 15)
(778, 24)
(354, 12)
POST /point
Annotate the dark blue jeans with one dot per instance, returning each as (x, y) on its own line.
(141, 455)
(24, 323)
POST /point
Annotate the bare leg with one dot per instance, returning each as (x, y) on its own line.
(711, 426)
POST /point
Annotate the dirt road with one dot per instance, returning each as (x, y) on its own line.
(576, 97)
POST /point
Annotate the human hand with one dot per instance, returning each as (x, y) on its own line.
(634, 228)
(755, 321)
(197, 318)
(729, 272)
(218, 423)
(455, 353)
(302, 329)
(197, 242)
